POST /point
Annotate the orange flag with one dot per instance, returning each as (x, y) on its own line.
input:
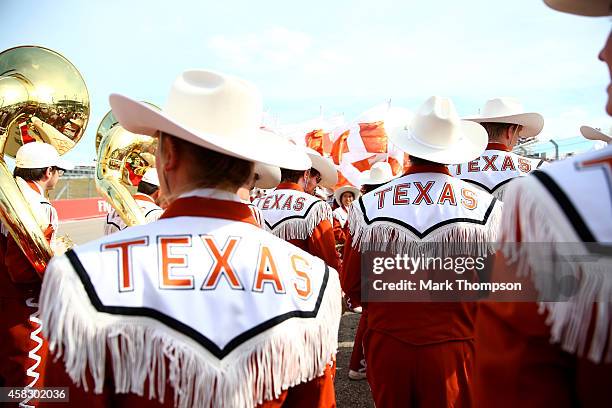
(340, 146)
(397, 167)
(374, 137)
(342, 181)
(365, 164)
(319, 141)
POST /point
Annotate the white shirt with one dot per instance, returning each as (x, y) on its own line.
(150, 210)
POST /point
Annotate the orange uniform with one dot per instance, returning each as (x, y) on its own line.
(22, 347)
(517, 362)
(417, 353)
(200, 256)
(318, 241)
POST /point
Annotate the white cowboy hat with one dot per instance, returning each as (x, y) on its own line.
(595, 134)
(329, 174)
(215, 111)
(150, 176)
(346, 189)
(39, 155)
(322, 192)
(267, 176)
(510, 110)
(437, 134)
(379, 173)
(593, 8)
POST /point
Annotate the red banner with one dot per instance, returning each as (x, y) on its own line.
(81, 208)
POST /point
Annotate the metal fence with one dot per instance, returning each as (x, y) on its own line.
(555, 149)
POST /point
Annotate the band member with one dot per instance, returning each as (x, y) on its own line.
(343, 197)
(556, 353)
(505, 122)
(203, 307)
(292, 213)
(430, 344)
(379, 174)
(146, 196)
(38, 168)
(264, 177)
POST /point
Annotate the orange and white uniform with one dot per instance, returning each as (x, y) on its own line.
(556, 353)
(22, 347)
(341, 230)
(201, 308)
(256, 212)
(149, 208)
(493, 170)
(301, 219)
(430, 343)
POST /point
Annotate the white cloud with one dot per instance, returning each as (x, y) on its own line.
(567, 123)
(273, 49)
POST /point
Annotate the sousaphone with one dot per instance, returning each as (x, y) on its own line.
(122, 159)
(42, 98)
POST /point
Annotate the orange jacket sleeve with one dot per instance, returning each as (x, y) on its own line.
(321, 243)
(350, 278)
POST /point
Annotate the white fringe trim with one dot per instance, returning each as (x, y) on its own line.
(456, 238)
(542, 222)
(292, 352)
(301, 228)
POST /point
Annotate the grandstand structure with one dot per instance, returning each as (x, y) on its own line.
(554, 149)
(76, 183)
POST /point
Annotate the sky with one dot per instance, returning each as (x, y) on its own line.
(329, 57)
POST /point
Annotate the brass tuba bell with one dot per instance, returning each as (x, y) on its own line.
(42, 98)
(123, 157)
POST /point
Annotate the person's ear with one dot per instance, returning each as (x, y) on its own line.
(169, 153)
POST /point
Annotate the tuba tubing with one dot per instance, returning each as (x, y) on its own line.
(20, 222)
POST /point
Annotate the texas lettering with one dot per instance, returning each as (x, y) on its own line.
(420, 193)
(282, 202)
(491, 163)
(173, 272)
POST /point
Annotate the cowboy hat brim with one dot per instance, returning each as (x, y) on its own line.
(532, 122)
(591, 8)
(469, 146)
(344, 189)
(594, 134)
(267, 176)
(260, 146)
(329, 174)
(367, 179)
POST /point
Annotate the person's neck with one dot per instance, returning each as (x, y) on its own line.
(504, 142)
(42, 185)
(244, 193)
